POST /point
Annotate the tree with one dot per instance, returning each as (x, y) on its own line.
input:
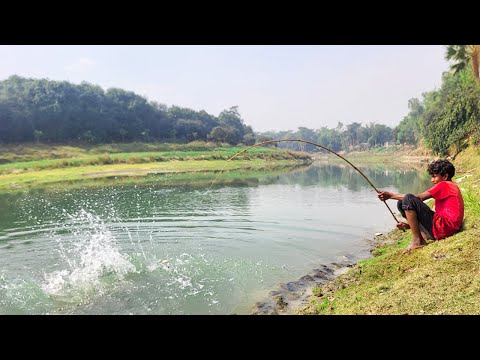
(231, 121)
(122, 133)
(88, 137)
(352, 133)
(37, 134)
(380, 134)
(218, 134)
(452, 115)
(462, 55)
(248, 139)
(189, 130)
(409, 131)
(330, 138)
(146, 135)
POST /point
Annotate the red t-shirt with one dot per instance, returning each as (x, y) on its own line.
(449, 209)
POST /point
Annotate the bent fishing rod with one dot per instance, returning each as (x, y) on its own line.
(320, 146)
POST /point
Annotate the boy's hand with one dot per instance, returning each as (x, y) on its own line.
(403, 226)
(384, 195)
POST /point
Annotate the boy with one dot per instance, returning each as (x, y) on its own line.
(449, 208)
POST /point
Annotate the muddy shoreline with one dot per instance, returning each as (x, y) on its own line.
(293, 295)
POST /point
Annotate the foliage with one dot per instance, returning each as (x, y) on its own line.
(452, 113)
(463, 55)
(61, 112)
(409, 129)
(354, 137)
(109, 155)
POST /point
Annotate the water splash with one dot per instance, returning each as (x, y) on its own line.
(93, 258)
(21, 296)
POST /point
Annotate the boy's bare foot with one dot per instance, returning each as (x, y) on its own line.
(412, 246)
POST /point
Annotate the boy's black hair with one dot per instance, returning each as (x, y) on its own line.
(442, 167)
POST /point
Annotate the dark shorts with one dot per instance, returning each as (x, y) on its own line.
(424, 213)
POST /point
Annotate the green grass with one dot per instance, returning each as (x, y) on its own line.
(441, 278)
(32, 152)
(199, 179)
(29, 152)
(42, 178)
(471, 198)
(150, 157)
(92, 163)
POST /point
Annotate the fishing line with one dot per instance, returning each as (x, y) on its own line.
(314, 144)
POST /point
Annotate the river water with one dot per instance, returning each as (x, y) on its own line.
(148, 249)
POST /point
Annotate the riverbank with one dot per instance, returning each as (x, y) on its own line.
(397, 156)
(46, 166)
(441, 278)
(163, 172)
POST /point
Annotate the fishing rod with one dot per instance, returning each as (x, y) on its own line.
(320, 146)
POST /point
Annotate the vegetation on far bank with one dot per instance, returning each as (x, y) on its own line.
(23, 152)
(394, 155)
(441, 278)
(44, 157)
(211, 177)
(104, 161)
(43, 177)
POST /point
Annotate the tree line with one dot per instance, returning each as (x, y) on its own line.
(444, 120)
(59, 112)
(351, 137)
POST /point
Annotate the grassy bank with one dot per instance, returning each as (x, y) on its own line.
(395, 156)
(37, 163)
(29, 152)
(203, 179)
(93, 163)
(42, 178)
(441, 278)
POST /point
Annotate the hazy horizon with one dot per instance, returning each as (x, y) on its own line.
(276, 88)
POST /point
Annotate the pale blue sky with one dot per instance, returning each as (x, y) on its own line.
(275, 87)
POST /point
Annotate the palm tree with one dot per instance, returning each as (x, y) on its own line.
(463, 55)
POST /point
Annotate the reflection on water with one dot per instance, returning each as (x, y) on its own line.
(185, 249)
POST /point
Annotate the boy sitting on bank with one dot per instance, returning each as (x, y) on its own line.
(448, 215)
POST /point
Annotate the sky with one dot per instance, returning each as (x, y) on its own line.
(276, 87)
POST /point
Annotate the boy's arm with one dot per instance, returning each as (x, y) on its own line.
(424, 195)
(385, 195)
